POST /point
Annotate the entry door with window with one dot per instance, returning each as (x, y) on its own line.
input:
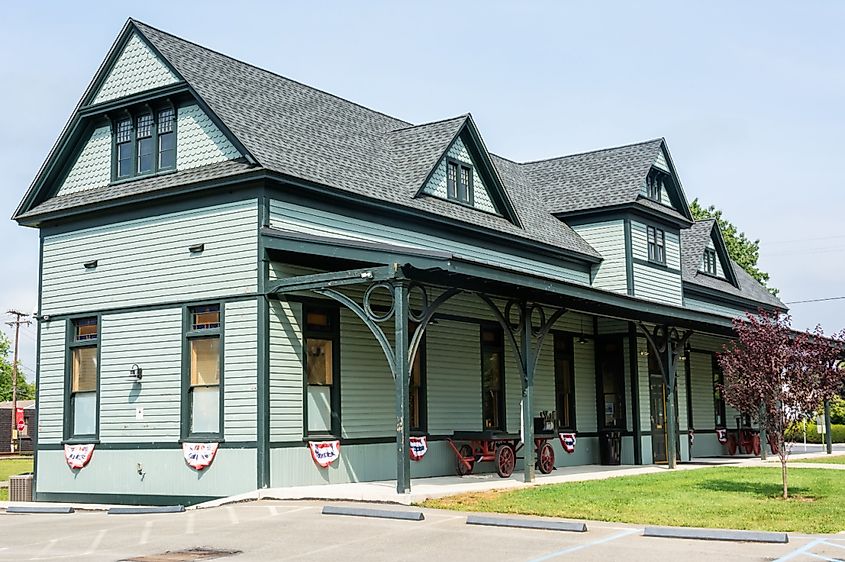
(657, 400)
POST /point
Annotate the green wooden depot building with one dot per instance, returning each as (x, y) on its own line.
(229, 256)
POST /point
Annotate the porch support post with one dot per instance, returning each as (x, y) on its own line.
(401, 370)
(527, 357)
(671, 406)
(828, 435)
(635, 392)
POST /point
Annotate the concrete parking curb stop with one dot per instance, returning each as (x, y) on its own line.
(146, 510)
(715, 534)
(378, 513)
(544, 524)
(34, 509)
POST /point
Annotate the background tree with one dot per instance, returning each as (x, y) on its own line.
(741, 249)
(779, 377)
(26, 391)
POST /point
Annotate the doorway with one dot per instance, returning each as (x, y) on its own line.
(659, 431)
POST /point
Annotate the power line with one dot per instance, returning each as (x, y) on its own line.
(817, 300)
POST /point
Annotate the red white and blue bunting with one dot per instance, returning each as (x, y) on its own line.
(199, 455)
(324, 453)
(568, 442)
(77, 456)
(722, 435)
(418, 449)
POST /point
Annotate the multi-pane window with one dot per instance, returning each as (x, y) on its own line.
(656, 245)
(709, 261)
(123, 148)
(718, 399)
(166, 140)
(204, 370)
(321, 346)
(417, 397)
(612, 383)
(83, 377)
(655, 185)
(145, 143)
(492, 378)
(459, 182)
(564, 381)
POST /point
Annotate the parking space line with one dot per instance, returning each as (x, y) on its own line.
(189, 522)
(145, 533)
(96, 542)
(233, 517)
(820, 557)
(576, 548)
(799, 551)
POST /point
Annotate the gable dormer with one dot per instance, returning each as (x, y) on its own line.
(715, 260)
(662, 184)
(465, 175)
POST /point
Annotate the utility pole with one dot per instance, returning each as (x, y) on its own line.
(17, 324)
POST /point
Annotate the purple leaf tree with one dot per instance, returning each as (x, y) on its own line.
(779, 376)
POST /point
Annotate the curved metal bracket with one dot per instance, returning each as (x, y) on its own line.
(425, 318)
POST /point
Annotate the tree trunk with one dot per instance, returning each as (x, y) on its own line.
(783, 460)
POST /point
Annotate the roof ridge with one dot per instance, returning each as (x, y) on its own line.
(660, 139)
(276, 74)
(464, 115)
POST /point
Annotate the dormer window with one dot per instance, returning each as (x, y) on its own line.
(655, 184)
(709, 261)
(459, 182)
(144, 143)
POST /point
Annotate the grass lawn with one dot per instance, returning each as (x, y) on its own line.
(831, 459)
(725, 497)
(13, 466)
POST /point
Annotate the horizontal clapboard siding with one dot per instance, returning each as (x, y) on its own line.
(51, 381)
(307, 220)
(656, 283)
(701, 382)
(152, 340)
(285, 371)
(239, 370)
(608, 238)
(454, 377)
(147, 261)
(585, 385)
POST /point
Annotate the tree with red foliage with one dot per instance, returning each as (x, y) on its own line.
(779, 376)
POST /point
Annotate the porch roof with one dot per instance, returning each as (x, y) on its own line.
(447, 269)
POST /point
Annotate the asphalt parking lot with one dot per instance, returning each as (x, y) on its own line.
(298, 530)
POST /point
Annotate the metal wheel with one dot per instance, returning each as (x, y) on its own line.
(731, 444)
(546, 459)
(467, 453)
(505, 460)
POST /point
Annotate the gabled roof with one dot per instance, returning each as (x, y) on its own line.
(602, 178)
(693, 242)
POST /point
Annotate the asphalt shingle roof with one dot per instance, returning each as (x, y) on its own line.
(693, 242)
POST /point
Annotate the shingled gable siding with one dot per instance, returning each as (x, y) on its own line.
(92, 168)
(307, 220)
(608, 238)
(137, 69)
(437, 184)
(147, 261)
(51, 381)
(656, 283)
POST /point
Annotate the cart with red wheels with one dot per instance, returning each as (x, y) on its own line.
(471, 447)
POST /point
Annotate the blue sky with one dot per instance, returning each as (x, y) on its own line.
(748, 96)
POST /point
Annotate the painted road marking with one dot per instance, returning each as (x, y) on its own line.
(145, 533)
(189, 523)
(576, 548)
(96, 542)
(799, 551)
(233, 517)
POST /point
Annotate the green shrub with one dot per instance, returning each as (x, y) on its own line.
(796, 433)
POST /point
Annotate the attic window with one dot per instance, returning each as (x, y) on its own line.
(655, 184)
(656, 245)
(459, 182)
(144, 143)
(709, 261)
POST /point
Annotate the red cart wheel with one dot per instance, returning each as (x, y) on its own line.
(546, 459)
(466, 453)
(505, 460)
(747, 442)
(731, 444)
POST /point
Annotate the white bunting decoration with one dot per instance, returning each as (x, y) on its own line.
(77, 456)
(324, 453)
(419, 447)
(691, 437)
(568, 442)
(722, 435)
(199, 455)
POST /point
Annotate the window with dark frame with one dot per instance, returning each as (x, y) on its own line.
(145, 143)
(710, 261)
(459, 182)
(321, 342)
(492, 378)
(656, 182)
(612, 383)
(417, 390)
(564, 381)
(656, 245)
(83, 377)
(718, 399)
(204, 370)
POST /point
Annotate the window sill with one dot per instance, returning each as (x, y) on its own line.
(92, 440)
(203, 438)
(320, 437)
(143, 176)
